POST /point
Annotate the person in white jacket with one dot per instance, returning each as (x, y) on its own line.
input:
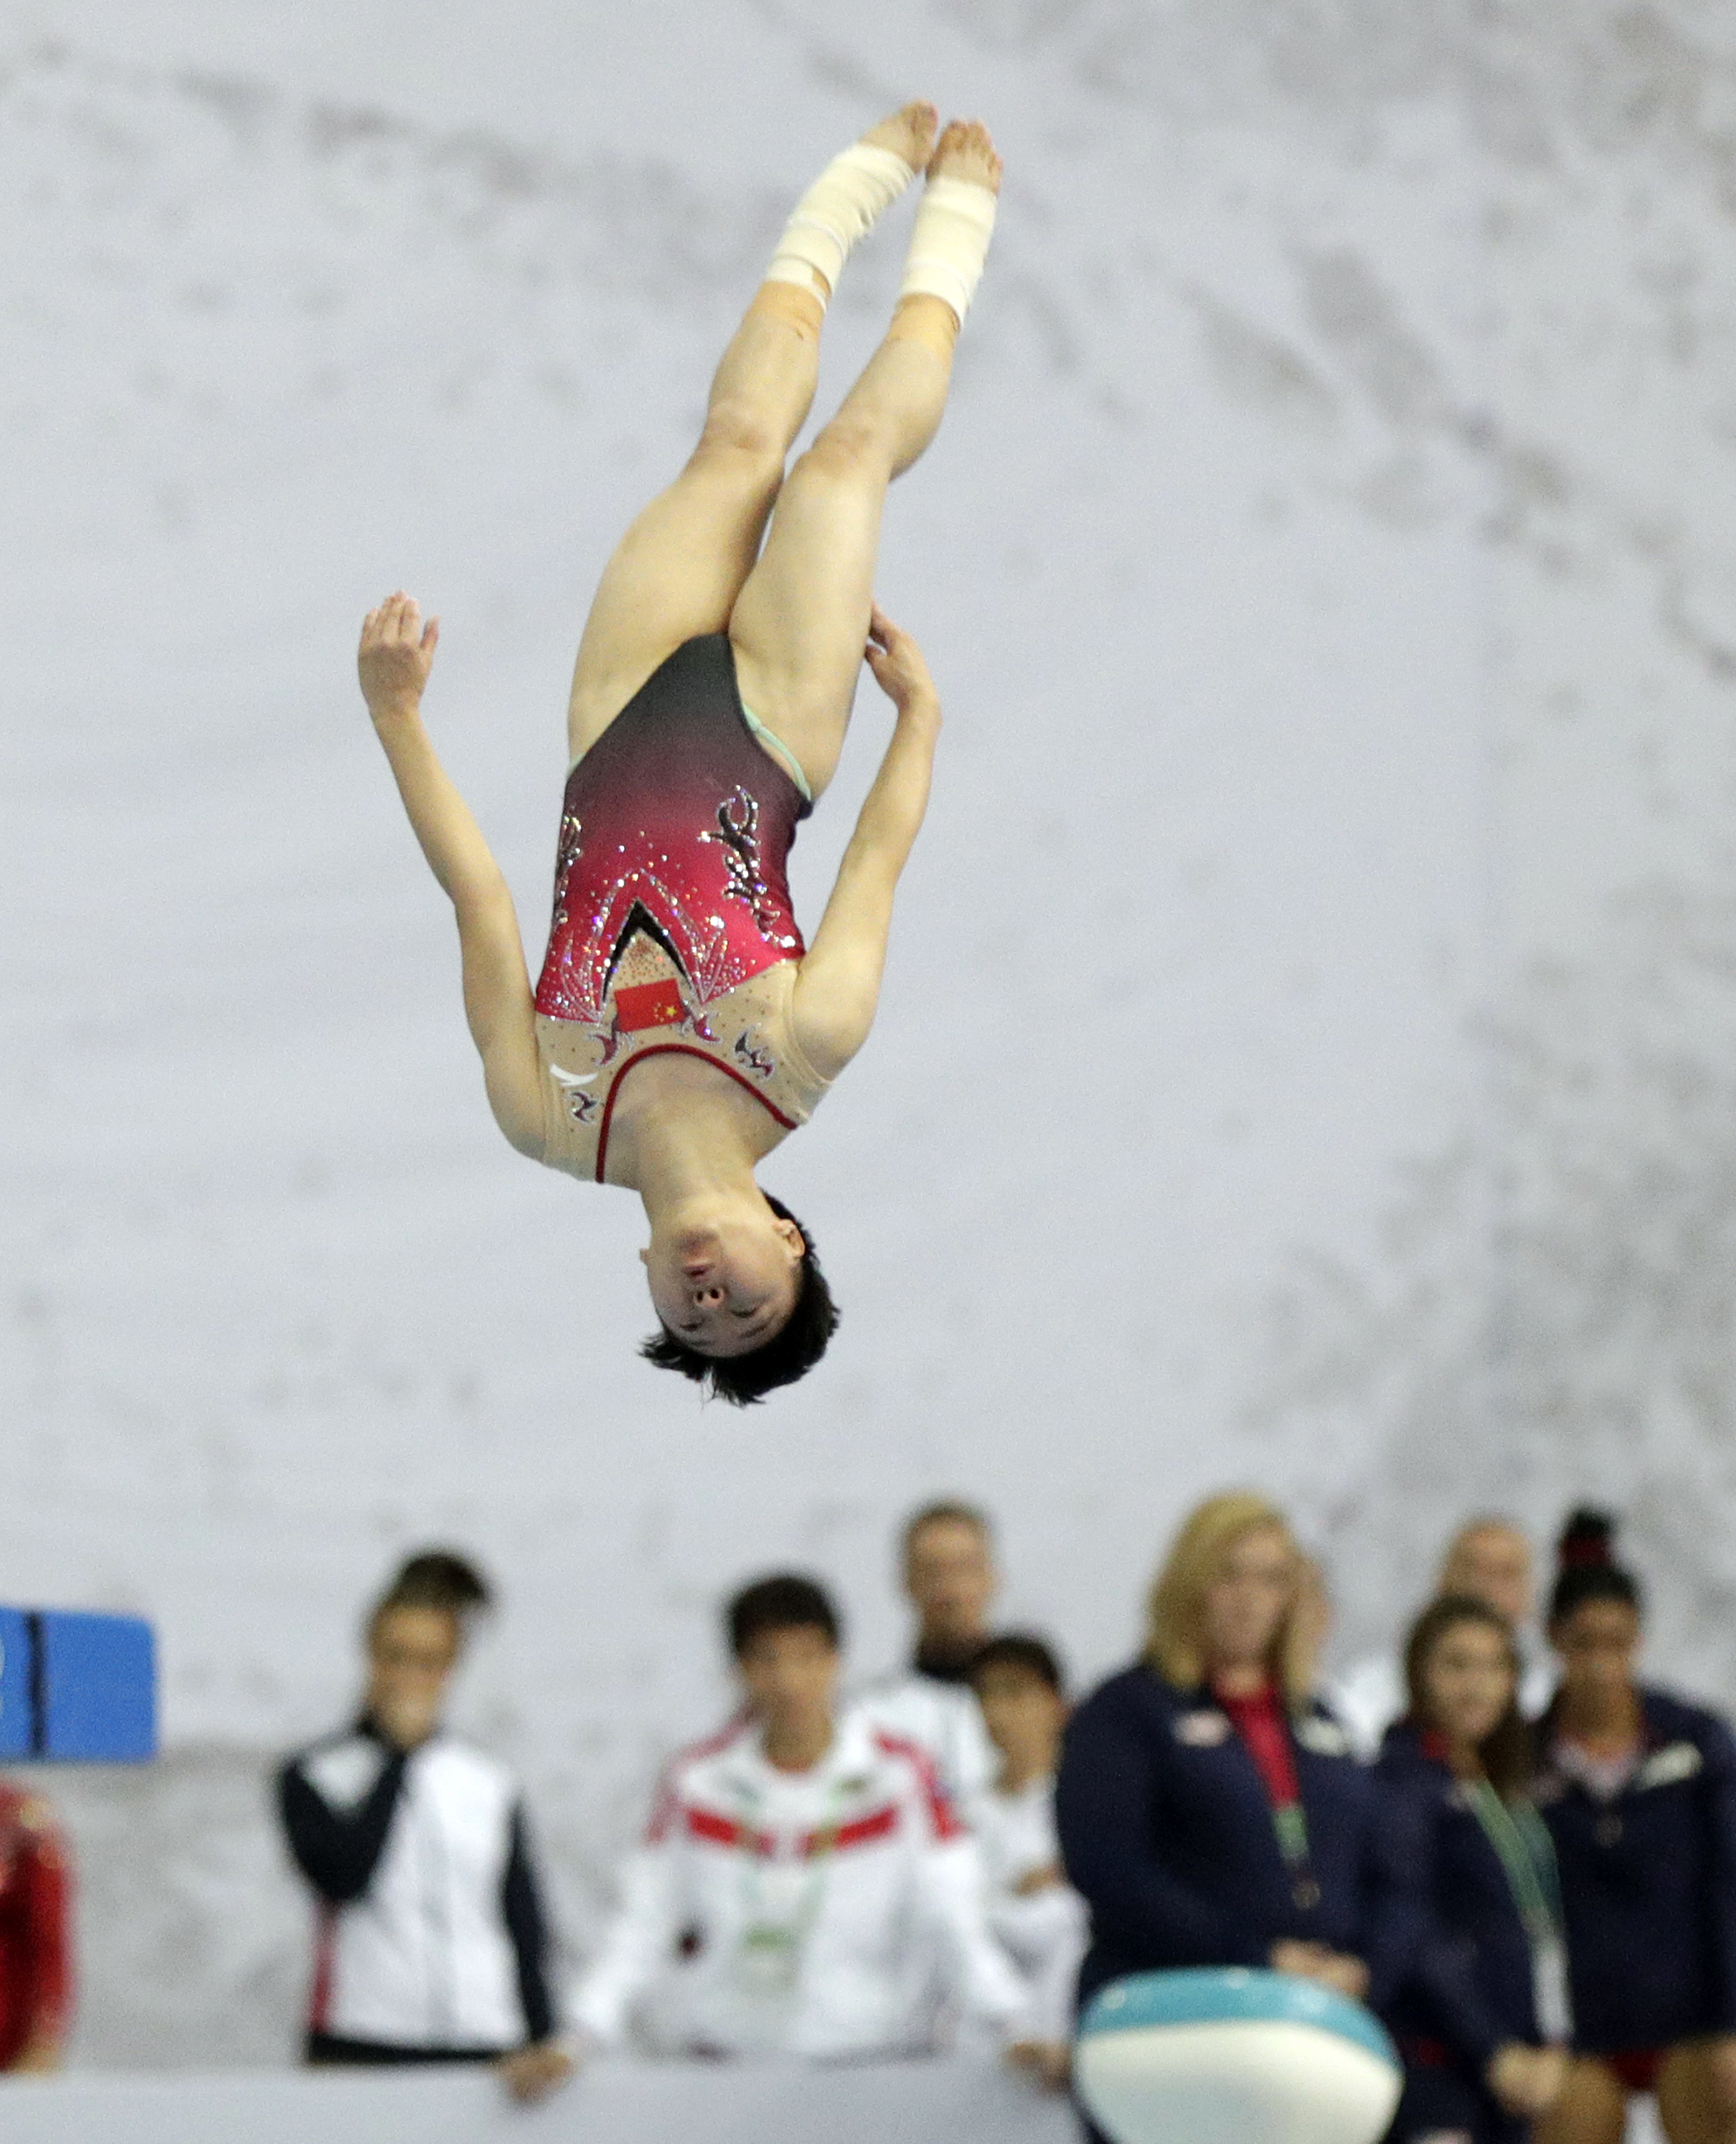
(1040, 1920)
(430, 1943)
(801, 1873)
(950, 1580)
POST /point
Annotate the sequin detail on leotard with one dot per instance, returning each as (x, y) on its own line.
(677, 811)
(672, 925)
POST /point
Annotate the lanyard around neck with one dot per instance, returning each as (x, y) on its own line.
(822, 1843)
(1289, 1819)
(1522, 1845)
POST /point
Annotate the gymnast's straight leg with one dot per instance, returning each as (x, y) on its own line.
(679, 570)
(802, 619)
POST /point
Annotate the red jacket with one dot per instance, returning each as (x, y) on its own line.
(36, 1914)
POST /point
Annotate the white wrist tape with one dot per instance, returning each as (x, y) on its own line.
(949, 243)
(841, 207)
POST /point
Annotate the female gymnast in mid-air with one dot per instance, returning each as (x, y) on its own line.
(709, 704)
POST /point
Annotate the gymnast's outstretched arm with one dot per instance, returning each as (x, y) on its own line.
(396, 654)
(838, 987)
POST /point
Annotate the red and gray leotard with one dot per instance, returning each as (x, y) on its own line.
(672, 928)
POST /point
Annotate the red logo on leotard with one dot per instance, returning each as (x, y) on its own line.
(640, 1005)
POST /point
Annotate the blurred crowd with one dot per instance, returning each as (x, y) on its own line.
(1519, 1854)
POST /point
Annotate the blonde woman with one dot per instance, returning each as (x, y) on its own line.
(1208, 1810)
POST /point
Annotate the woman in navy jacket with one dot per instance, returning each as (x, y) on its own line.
(1482, 2015)
(1640, 1792)
(1209, 1810)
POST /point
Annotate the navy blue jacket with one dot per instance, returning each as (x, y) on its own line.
(1648, 1885)
(1166, 1831)
(1469, 1981)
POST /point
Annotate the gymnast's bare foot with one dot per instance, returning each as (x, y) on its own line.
(965, 152)
(910, 133)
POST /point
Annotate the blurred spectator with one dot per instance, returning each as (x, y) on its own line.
(1208, 1808)
(1639, 1791)
(1482, 2016)
(950, 1578)
(1489, 1559)
(36, 1933)
(800, 1873)
(430, 1944)
(1038, 1917)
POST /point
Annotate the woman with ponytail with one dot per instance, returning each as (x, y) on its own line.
(1639, 1790)
(1481, 2016)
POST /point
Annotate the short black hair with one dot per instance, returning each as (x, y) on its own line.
(435, 1578)
(1589, 1571)
(790, 1352)
(785, 1602)
(1024, 1650)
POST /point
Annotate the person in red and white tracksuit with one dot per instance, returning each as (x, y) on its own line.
(35, 1937)
(801, 1873)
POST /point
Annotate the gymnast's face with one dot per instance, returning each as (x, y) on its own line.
(725, 1284)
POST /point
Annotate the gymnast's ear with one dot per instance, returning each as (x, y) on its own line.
(645, 1255)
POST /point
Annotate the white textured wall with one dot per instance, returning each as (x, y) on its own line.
(1330, 564)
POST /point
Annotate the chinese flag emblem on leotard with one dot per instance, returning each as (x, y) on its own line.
(649, 1004)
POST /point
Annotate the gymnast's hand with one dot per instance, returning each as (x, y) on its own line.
(898, 669)
(396, 654)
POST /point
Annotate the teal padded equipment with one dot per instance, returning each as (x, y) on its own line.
(77, 1688)
(1233, 2056)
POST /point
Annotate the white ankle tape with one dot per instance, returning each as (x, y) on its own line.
(841, 207)
(949, 243)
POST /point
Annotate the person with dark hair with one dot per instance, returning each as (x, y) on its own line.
(1481, 2014)
(792, 1352)
(430, 1943)
(801, 1873)
(1209, 1810)
(710, 700)
(1639, 1790)
(950, 1579)
(1038, 1917)
(781, 1605)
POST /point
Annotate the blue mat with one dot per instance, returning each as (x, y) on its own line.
(76, 1689)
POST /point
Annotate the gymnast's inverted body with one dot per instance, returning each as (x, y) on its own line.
(710, 700)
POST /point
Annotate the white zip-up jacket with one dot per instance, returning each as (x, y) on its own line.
(1045, 1931)
(430, 1934)
(809, 1906)
(944, 1719)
